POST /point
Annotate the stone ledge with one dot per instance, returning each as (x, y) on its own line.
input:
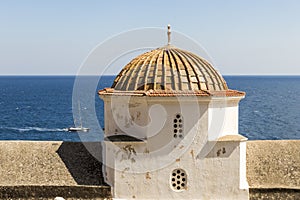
(232, 138)
(274, 194)
(50, 192)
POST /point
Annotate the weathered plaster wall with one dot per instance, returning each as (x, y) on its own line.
(212, 174)
(207, 170)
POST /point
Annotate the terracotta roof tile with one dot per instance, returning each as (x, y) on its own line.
(169, 68)
(170, 93)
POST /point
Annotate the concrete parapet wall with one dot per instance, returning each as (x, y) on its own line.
(273, 164)
(273, 169)
(35, 169)
(49, 163)
(46, 169)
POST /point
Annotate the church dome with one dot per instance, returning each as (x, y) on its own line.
(169, 68)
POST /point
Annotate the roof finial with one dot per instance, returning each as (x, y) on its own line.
(169, 34)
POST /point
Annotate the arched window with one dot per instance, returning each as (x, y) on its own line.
(178, 126)
(178, 180)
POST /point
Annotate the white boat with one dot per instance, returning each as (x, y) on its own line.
(80, 128)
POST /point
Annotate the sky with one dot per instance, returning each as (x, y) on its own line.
(258, 37)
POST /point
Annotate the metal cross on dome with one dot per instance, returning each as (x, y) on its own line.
(169, 34)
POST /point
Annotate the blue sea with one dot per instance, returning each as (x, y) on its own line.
(40, 107)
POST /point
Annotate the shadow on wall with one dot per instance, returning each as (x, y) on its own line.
(84, 167)
(217, 149)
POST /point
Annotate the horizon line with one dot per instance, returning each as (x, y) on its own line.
(2, 75)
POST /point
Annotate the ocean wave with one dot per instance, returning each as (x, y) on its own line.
(39, 129)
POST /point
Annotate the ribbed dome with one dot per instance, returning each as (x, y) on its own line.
(169, 68)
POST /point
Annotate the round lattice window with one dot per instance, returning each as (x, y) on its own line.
(178, 126)
(178, 179)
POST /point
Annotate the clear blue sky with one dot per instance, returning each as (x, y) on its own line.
(243, 37)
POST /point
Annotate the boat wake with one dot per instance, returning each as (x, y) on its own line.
(38, 129)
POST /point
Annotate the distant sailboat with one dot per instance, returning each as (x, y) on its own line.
(80, 128)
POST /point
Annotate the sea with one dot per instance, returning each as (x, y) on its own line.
(40, 108)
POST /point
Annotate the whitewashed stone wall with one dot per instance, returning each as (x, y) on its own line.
(214, 165)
